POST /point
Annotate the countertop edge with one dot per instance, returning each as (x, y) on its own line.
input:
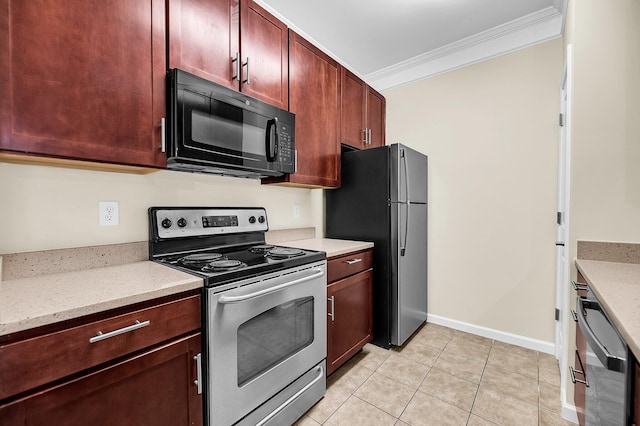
(178, 282)
(332, 247)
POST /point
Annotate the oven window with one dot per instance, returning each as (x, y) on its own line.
(273, 336)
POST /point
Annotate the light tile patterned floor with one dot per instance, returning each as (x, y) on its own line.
(443, 377)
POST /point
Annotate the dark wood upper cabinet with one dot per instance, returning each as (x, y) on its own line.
(83, 81)
(314, 95)
(376, 113)
(353, 92)
(203, 38)
(234, 43)
(362, 113)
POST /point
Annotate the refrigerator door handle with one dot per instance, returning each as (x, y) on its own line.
(403, 248)
(407, 216)
(406, 175)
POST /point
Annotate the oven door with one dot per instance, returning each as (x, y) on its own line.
(263, 335)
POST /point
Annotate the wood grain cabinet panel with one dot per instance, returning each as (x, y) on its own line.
(63, 353)
(237, 44)
(154, 388)
(83, 80)
(376, 113)
(135, 373)
(362, 113)
(350, 306)
(314, 97)
(204, 37)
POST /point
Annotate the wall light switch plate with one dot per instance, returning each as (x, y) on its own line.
(109, 213)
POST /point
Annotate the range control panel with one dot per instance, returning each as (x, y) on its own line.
(193, 222)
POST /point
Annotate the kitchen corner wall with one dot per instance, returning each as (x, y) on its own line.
(44, 208)
(605, 143)
(491, 133)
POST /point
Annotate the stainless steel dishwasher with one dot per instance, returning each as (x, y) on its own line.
(609, 367)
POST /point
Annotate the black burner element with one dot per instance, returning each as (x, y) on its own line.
(262, 249)
(198, 260)
(284, 252)
(223, 265)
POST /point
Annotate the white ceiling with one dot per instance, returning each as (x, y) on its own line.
(393, 42)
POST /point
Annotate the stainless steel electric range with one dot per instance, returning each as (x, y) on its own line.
(264, 312)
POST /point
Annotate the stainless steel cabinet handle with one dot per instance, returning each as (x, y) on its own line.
(332, 299)
(576, 380)
(351, 262)
(574, 314)
(163, 136)
(369, 136)
(101, 336)
(248, 80)
(579, 286)
(293, 397)
(198, 381)
(365, 140)
(235, 299)
(238, 66)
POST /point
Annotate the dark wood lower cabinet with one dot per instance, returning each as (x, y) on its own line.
(153, 388)
(349, 327)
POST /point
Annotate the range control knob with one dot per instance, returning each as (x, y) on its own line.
(252, 219)
(182, 222)
(261, 219)
(166, 223)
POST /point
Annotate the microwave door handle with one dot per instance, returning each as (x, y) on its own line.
(271, 144)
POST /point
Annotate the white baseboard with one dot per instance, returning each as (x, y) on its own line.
(569, 413)
(514, 339)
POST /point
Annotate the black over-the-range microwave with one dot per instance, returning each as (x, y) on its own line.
(213, 129)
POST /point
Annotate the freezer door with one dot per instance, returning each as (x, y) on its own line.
(409, 288)
(408, 175)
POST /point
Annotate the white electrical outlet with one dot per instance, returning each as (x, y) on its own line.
(109, 214)
(296, 211)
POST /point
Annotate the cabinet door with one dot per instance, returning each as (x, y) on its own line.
(352, 109)
(264, 46)
(154, 388)
(349, 327)
(314, 96)
(83, 80)
(204, 39)
(376, 109)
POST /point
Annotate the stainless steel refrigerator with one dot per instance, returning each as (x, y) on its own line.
(383, 199)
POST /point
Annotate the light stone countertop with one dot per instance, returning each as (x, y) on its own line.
(117, 275)
(46, 299)
(617, 286)
(330, 246)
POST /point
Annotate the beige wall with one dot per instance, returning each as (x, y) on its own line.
(605, 179)
(45, 208)
(490, 131)
(605, 157)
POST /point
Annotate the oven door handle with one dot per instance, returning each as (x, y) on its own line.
(242, 298)
(610, 361)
